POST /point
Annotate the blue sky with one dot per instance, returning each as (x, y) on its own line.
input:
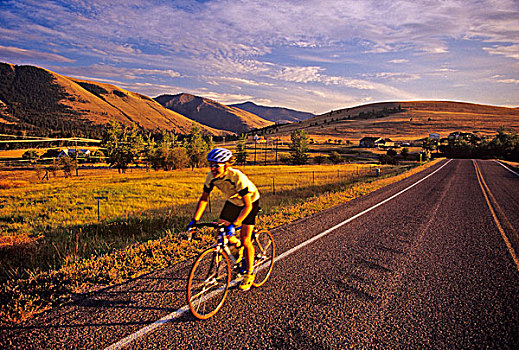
(302, 54)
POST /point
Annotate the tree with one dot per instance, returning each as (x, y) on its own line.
(404, 152)
(30, 155)
(241, 152)
(123, 144)
(96, 156)
(176, 158)
(197, 147)
(388, 158)
(430, 144)
(68, 165)
(148, 149)
(299, 147)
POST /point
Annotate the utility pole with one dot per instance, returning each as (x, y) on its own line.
(266, 149)
(276, 152)
(255, 145)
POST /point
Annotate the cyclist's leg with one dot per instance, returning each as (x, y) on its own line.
(245, 236)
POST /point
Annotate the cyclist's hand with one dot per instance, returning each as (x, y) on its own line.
(230, 230)
(191, 224)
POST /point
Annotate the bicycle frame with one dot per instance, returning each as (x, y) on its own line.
(217, 264)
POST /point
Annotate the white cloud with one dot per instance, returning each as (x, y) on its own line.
(398, 61)
(224, 98)
(101, 70)
(300, 74)
(239, 81)
(251, 45)
(16, 52)
(508, 81)
(314, 74)
(400, 77)
(511, 51)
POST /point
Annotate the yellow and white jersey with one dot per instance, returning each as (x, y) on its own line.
(233, 185)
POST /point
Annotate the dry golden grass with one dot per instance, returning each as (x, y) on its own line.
(417, 120)
(24, 295)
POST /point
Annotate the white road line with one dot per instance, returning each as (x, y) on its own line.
(507, 168)
(176, 314)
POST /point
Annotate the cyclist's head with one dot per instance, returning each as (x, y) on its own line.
(219, 155)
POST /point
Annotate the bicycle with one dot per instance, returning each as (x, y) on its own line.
(210, 277)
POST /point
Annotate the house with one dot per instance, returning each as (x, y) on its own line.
(385, 143)
(460, 136)
(369, 142)
(71, 152)
(434, 136)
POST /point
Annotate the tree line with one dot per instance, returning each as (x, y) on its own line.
(504, 145)
(125, 144)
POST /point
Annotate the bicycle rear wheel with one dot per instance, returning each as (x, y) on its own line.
(208, 283)
(264, 251)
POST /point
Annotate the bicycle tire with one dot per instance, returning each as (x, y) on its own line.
(208, 283)
(265, 252)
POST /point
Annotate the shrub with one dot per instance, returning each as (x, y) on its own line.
(319, 159)
(335, 157)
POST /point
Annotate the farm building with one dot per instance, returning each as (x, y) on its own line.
(369, 142)
(71, 152)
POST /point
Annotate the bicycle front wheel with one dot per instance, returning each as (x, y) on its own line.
(208, 283)
(264, 251)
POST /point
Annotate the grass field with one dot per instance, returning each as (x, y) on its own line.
(54, 243)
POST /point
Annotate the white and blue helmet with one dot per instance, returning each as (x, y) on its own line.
(219, 155)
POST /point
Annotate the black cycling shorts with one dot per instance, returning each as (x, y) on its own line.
(231, 211)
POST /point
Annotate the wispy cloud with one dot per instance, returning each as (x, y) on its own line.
(224, 98)
(511, 51)
(16, 52)
(249, 46)
(238, 81)
(102, 70)
(399, 61)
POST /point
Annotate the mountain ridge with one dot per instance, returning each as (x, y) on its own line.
(274, 114)
(212, 113)
(44, 102)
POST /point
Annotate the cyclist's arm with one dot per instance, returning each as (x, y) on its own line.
(200, 207)
(247, 201)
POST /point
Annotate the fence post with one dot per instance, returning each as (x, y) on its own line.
(273, 187)
(313, 177)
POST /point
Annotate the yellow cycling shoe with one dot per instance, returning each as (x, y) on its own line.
(247, 281)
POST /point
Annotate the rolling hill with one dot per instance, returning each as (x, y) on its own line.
(274, 114)
(43, 102)
(212, 113)
(405, 120)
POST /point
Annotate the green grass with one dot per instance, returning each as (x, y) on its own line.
(62, 248)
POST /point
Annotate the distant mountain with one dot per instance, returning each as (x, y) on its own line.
(43, 102)
(212, 113)
(274, 114)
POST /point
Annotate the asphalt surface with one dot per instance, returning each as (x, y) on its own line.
(430, 268)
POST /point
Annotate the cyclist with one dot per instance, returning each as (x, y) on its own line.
(240, 209)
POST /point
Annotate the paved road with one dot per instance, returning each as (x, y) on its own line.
(434, 267)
